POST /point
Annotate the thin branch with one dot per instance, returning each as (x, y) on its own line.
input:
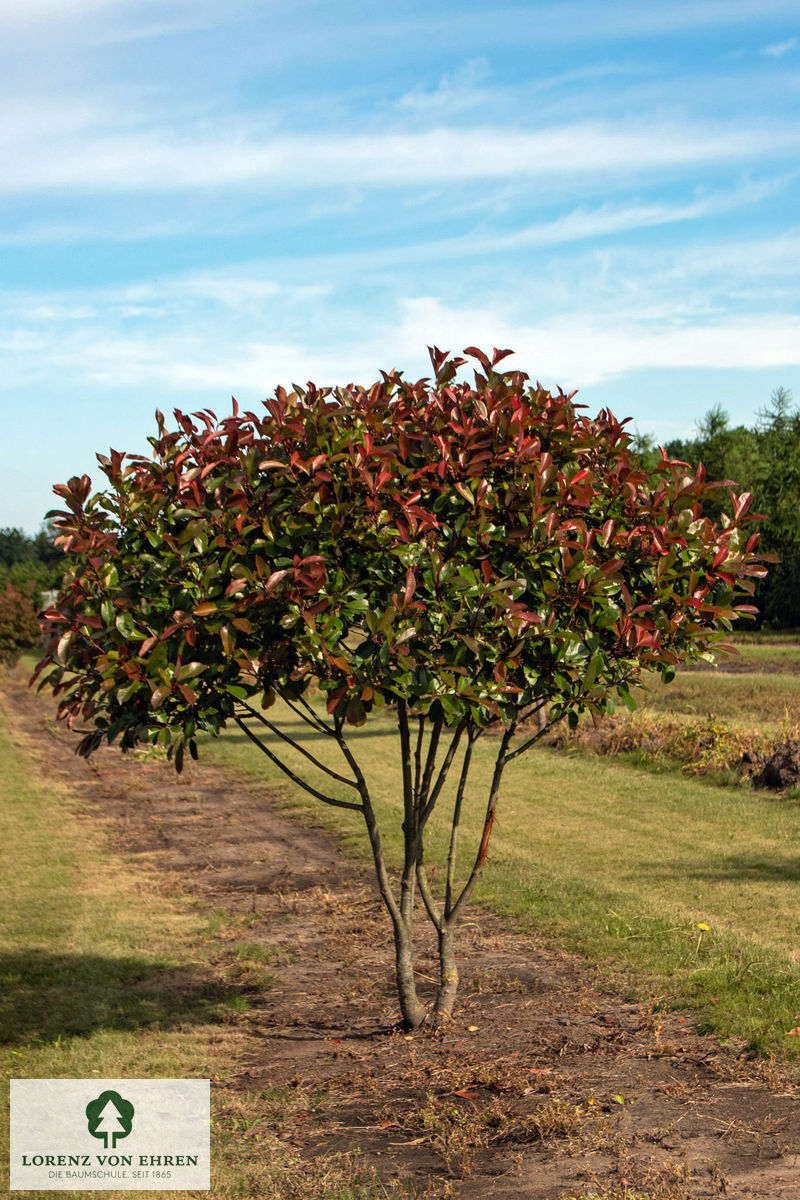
(351, 760)
(531, 741)
(418, 759)
(430, 761)
(443, 770)
(427, 897)
(411, 826)
(314, 719)
(295, 778)
(285, 737)
(454, 827)
(480, 857)
(400, 923)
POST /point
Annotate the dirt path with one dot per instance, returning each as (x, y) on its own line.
(544, 1087)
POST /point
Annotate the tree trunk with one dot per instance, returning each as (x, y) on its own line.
(413, 1010)
(448, 977)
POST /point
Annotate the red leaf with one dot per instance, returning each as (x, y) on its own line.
(275, 579)
(335, 699)
(482, 358)
(411, 585)
(741, 504)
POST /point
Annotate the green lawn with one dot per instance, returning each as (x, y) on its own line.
(622, 864)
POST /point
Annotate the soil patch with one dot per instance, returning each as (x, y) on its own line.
(547, 1085)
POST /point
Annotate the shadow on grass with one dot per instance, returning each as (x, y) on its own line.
(737, 868)
(45, 996)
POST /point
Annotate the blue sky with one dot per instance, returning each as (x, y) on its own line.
(206, 198)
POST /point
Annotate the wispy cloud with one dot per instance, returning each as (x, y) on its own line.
(149, 161)
(104, 21)
(778, 49)
(458, 91)
(583, 348)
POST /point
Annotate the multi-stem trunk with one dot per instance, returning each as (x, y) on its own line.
(423, 779)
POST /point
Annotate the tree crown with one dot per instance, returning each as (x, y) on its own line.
(477, 550)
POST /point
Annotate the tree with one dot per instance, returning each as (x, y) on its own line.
(765, 460)
(19, 628)
(31, 563)
(471, 557)
(775, 479)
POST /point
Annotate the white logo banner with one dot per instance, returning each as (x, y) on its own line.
(110, 1134)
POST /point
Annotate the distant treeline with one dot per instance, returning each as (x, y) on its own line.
(764, 460)
(31, 563)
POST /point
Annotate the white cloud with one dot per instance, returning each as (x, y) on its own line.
(456, 92)
(575, 348)
(157, 162)
(778, 49)
(106, 21)
(578, 349)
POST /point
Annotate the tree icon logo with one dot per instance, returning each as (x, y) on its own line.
(110, 1117)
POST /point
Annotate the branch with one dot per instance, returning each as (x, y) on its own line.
(384, 883)
(350, 758)
(531, 741)
(430, 761)
(411, 825)
(443, 770)
(295, 778)
(314, 719)
(418, 759)
(491, 806)
(454, 827)
(427, 897)
(285, 737)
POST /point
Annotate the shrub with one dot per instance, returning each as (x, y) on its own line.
(19, 628)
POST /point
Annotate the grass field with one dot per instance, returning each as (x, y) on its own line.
(759, 700)
(624, 865)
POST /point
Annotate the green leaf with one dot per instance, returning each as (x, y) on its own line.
(159, 695)
(190, 671)
(125, 625)
(356, 714)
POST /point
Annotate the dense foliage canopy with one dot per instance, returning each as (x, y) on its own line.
(465, 555)
(475, 550)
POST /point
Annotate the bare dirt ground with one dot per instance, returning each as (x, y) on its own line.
(546, 1086)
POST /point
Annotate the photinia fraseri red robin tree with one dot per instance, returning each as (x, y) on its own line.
(471, 556)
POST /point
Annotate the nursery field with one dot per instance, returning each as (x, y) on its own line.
(628, 1024)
